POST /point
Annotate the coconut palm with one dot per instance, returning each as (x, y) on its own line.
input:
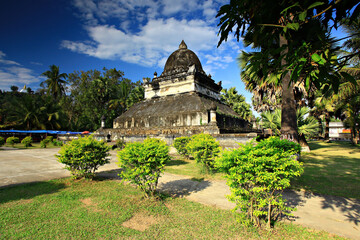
(55, 82)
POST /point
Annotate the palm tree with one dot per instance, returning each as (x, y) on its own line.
(237, 103)
(307, 125)
(26, 112)
(55, 82)
(349, 100)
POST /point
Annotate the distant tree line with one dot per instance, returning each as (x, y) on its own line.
(75, 101)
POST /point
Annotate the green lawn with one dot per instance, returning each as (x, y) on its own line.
(106, 209)
(332, 169)
(188, 167)
(34, 146)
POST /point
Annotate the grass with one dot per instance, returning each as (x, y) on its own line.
(105, 209)
(332, 169)
(33, 146)
(188, 167)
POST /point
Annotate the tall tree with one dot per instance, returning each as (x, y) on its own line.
(237, 102)
(286, 31)
(55, 82)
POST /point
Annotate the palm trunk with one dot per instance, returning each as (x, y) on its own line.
(320, 127)
(303, 143)
(289, 128)
(327, 126)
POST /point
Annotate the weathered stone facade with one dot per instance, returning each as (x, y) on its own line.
(183, 100)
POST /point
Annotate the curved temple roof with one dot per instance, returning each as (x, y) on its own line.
(181, 60)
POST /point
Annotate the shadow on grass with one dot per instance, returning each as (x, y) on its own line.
(176, 162)
(183, 187)
(29, 190)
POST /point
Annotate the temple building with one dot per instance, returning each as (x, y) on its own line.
(183, 100)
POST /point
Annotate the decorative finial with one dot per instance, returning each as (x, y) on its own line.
(155, 74)
(182, 45)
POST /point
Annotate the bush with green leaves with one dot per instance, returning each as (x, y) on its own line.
(57, 143)
(257, 175)
(204, 149)
(12, 140)
(142, 163)
(49, 139)
(2, 141)
(120, 143)
(180, 145)
(83, 156)
(27, 141)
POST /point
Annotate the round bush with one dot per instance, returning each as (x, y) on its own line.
(84, 156)
(180, 145)
(204, 149)
(2, 141)
(142, 163)
(12, 140)
(27, 141)
(257, 174)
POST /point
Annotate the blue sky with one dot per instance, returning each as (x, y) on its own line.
(134, 36)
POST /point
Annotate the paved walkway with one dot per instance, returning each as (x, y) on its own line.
(336, 215)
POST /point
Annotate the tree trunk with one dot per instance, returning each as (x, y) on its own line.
(320, 127)
(327, 126)
(303, 143)
(354, 136)
(289, 128)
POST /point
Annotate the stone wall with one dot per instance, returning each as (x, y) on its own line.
(225, 140)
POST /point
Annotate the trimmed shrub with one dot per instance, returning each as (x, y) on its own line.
(49, 139)
(180, 145)
(2, 141)
(142, 163)
(57, 143)
(84, 156)
(204, 149)
(44, 143)
(257, 175)
(12, 140)
(27, 141)
(120, 144)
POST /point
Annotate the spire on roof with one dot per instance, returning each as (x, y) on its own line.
(183, 45)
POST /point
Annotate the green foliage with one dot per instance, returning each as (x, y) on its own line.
(120, 143)
(257, 175)
(97, 93)
(237, 102)
(43, 144)
(49, 139)
(180, 145)
(27, 141)
(57, 143)
(204, 149)
(55, 82)
(142, 163)
(2, 141)
(307, 125)
(83, 156)
(12, 140)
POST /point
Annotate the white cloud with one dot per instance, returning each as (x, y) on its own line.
(12, 74)
(5, 61)
(18, 76)
(147, 31)
(155, 41)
